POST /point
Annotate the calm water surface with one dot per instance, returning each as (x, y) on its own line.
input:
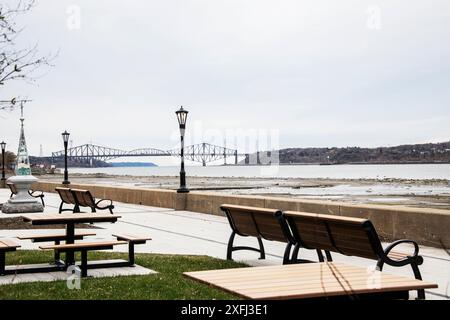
(404, 171)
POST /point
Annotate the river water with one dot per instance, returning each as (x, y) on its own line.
(402, 171)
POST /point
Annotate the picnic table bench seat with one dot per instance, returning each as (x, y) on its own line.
(6, 245)
(83, 247)
(34, 193)
(57, 238)
(131, 240)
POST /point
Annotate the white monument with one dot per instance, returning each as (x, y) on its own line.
(22, 202)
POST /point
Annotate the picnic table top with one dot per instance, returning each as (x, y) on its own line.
(310, 280)
(64, 218)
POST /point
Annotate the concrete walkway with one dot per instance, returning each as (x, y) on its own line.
(184, 232)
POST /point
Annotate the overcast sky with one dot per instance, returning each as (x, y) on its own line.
(303, 73)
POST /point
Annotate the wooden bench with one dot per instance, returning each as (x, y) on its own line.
(84, 198)
(34, 193)
(257, 222)
(83, 248)
(348, 236)
(67, 198)
(6, 246)
(132, 240)
(57, 238)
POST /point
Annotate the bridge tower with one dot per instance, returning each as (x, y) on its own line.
(225, 151)
(203, 156)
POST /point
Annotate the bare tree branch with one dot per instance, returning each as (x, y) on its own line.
(17, 63)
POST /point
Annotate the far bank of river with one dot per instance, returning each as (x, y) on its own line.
(393, 171)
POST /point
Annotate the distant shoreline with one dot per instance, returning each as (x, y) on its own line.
(280, 164)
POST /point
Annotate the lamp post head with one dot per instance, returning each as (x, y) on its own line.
(3, 145)
(182, 116)
(65, 136)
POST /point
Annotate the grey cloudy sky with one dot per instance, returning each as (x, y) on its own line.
(307, 73)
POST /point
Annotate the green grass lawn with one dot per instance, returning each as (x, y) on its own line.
(168, 284)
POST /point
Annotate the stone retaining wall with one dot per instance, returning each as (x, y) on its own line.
(429, 227)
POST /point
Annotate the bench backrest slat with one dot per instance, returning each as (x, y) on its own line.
(269, 227)
(243, 222)
(254, 221)
(66, 196)
(349, 236)
(84, 197)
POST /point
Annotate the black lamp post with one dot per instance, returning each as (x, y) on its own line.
(65, 136)
(182, 115)
(3, 145)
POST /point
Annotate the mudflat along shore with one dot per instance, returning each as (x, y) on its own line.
(433, 193)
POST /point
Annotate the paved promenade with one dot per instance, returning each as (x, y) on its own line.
(190, 233)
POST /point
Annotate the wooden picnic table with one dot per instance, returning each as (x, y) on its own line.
(69, 219)
(310, 280)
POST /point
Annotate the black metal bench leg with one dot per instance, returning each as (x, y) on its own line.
(261, 249)
(2, 262)
(60, 207)
(328, 255)
(84, 263)
(131, 253)
(380, 265)
(287, 252)
(294, 256)
(418, 276)
(320, 255)
(57, 254)
(42, 200)
(230, 246)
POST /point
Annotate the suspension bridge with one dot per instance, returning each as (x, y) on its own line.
(201, 152)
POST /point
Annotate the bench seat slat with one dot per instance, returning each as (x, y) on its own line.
(82, 245)
(53, 237)
(130, 237)
(6, 244)
(396, 255)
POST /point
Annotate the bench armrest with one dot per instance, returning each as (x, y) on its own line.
(35, 193)
(414, 257)
(104, 203)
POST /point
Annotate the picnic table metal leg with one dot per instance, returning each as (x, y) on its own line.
(2, 262)
(83, 263)
(57, 254)
(70, 238)
(131, 253)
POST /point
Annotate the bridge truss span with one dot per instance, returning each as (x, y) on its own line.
(201, 152)
(206, 152)
(86, 152)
